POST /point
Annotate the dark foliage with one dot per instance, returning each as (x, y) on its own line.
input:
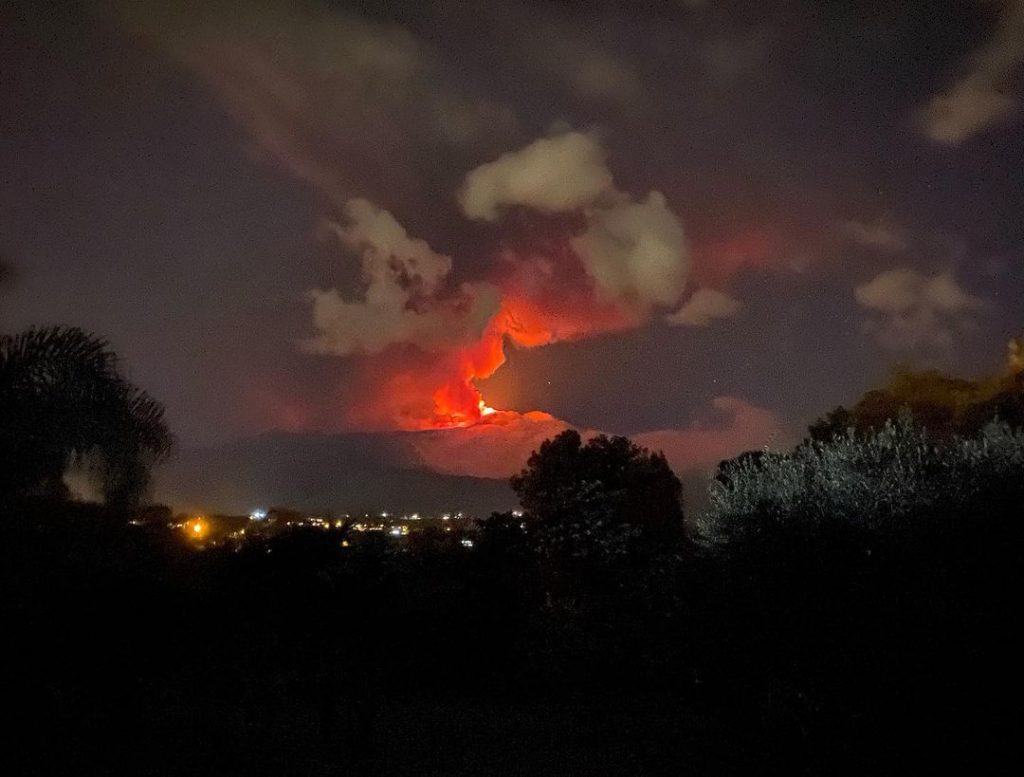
(816, 632)
(64, 401)
(945, 406)
(608, 479)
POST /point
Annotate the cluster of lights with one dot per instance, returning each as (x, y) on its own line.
(367, 527)
(197, 528)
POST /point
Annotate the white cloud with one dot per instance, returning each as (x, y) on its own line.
(705, 306)
(389, 253)
(978, 99)
(917, 312)
(551, 175)
(634, 250)
(404, 297)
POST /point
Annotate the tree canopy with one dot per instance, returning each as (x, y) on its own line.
(942, 404)
(608, 476)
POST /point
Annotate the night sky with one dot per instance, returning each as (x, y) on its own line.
(701, 223)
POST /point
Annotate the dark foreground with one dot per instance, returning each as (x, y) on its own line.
(132, 654)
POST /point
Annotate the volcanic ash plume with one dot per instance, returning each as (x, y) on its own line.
(426, 341)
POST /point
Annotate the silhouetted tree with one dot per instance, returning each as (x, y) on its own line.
(598, 515)
(609, 479)
(63, 401)
(944, 405)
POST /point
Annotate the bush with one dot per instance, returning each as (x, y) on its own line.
(881, 479)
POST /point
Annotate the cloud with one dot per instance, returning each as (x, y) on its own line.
(705, 306)
(740, 426)
(977, 100)
(404, 300)
(589, 71)
(551, 175)
(425, 342)
(879, 235)
(917, 312)
(633, 250)
(349, 105)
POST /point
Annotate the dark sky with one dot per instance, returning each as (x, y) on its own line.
(847, 176)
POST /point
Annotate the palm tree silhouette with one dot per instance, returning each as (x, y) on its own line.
(64, 401)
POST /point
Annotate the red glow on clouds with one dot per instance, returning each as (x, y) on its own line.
(719, 259)
(500, 444)
(414, 391)
(496, 447)
(545, 297)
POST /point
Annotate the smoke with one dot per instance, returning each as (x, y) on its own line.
(635, 252)
(914, 312)
(405, 298)
(497, 447)
(425, 341)
(551, 175)
(980, 98)
(350, 105)
(703, 307)
(363, 111)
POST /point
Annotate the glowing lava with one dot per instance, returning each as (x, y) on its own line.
(545, 298)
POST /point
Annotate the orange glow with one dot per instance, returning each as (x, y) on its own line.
(544, 299)
(197, 528)
(718, 260)
(439, 391)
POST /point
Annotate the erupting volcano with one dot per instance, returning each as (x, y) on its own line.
(593, 260)
(455, 399)
(607, 261)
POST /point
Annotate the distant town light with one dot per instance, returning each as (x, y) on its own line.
(197, 528)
